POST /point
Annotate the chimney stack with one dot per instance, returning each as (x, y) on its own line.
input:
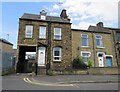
(63, 14)
(100, 24)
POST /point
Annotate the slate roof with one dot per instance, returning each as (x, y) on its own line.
(48, 18)
(5, 41)
(115, 29)
(94, 29)
(98, 29)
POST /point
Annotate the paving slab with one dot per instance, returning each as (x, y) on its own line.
(77, 78)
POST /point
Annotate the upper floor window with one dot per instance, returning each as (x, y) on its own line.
(84, 39)
(118, 37)
(57, 33)
(57, 54)
(42, 32)
(85, 56)
(99, 42)
(28, 31)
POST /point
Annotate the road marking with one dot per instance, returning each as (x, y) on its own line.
(44, 84)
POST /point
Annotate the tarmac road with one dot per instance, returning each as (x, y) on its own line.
(25, 82)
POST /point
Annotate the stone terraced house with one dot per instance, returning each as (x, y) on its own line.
(55, 44)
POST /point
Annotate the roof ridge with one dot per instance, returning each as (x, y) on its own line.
(5, 41)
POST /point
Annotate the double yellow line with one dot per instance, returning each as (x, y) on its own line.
(27, 80)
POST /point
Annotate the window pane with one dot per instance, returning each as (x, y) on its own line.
(29, 30)
(85, 59)
(57, 33)
(57, 37)
(57, 53)
(57, 49)
(56, 58)
(84, 36)
(98, 37)
(85, 54)
(84, 40)
(99, 41)
(42, 32)
(118, 37)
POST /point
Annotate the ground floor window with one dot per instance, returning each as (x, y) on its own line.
(85, 56)
(57, 54)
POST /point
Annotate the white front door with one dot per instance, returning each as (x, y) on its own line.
(41, 56)
(101, 63)
(100, 60)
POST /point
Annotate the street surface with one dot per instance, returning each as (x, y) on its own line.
(25, 82)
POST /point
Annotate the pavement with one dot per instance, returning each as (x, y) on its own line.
(71, 79)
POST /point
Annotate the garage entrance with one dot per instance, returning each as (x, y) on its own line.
(26, 58)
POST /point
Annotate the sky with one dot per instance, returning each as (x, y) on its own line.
(82, 13)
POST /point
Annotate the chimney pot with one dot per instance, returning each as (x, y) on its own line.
(43, 12)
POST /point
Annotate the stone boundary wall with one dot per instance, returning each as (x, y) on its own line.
(90, 71)
(107, 70)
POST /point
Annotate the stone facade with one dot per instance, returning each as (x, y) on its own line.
(108, 47)
(6, 46)
(70, 43)
(7, 63)
(65, 43)
(49, 43)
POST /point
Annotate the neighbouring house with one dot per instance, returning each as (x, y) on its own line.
(49, 42)
(7, 62)
(95, 44)
(116, 40)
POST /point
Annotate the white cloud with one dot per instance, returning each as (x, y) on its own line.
(55, 7)
(75, 26)
(54, 14)
(83, 25)
(89, 12)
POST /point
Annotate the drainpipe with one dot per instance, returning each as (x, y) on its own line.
(114, 42)
(49, 47)
(93, 48)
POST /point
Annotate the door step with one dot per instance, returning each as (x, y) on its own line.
(41, 70)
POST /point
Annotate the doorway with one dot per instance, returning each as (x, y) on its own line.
(41, 56)
(108, 61)
(101, 59)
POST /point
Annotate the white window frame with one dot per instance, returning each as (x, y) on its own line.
(85, 56)
(27, 34)
(57, 34)
(86, 52)
(57, 56)
(101, 40)
(86, 38)
(109, 56)
(42, 36)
